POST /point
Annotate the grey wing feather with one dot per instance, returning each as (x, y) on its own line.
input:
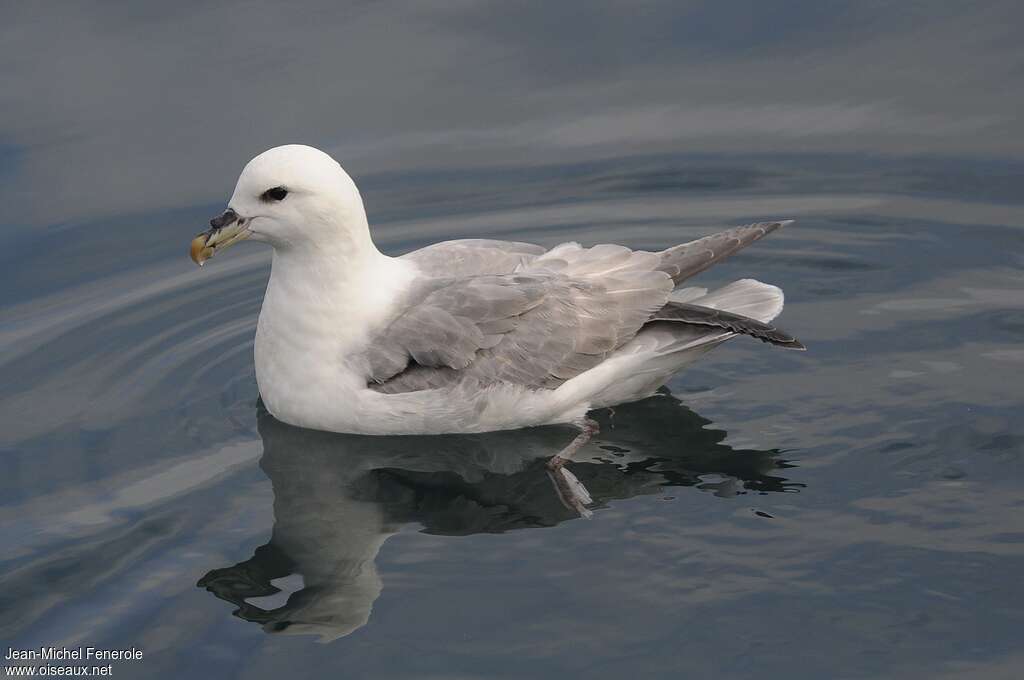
(688, 259)
(445, 322)
(736, 323)
(473, 256)
(500, 311)
(558, 316)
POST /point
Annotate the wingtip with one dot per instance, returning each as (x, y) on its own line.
(785, 341)
(786, 223)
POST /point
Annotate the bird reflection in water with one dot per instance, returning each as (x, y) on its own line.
(338, 497)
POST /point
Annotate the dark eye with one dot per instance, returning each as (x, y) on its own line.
(275, 194)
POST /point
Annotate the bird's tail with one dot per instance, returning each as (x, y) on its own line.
(664, 348)
(746, 297)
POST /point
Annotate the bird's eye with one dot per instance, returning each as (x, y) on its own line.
(275, 194)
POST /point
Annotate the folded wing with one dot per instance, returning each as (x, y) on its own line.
(500, 311)
(473, 257)
(559, 315)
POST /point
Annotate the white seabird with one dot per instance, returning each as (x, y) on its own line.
(469, 335)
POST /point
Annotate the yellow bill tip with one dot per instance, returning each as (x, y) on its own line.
(199, 251)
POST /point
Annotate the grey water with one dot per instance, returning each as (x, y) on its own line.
(853, 511)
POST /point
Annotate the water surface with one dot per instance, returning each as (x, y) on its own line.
(849, 512)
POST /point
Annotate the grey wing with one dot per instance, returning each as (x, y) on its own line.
(473, 257)
(536, 318)
(688, 259)
(469, 257)
(561, 315)
(445, 322)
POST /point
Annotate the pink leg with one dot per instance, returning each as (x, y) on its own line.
(570, 490)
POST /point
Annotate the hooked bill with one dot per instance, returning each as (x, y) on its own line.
(199, 251)
(225, 229)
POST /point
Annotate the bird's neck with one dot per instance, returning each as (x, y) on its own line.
(346, 282)
(336, 265)
(336, 233)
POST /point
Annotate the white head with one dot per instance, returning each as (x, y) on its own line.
(292, 197)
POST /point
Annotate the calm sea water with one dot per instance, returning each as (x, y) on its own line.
(853, 511)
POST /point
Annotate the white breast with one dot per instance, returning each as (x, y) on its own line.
(313, 321)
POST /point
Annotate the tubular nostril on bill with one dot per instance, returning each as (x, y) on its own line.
(224, 219)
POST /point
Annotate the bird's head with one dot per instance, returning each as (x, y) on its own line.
(291, 196)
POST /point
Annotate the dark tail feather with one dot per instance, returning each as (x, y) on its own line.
(685, 260)
(736, 323)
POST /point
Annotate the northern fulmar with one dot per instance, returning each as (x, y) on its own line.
(470, 335)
